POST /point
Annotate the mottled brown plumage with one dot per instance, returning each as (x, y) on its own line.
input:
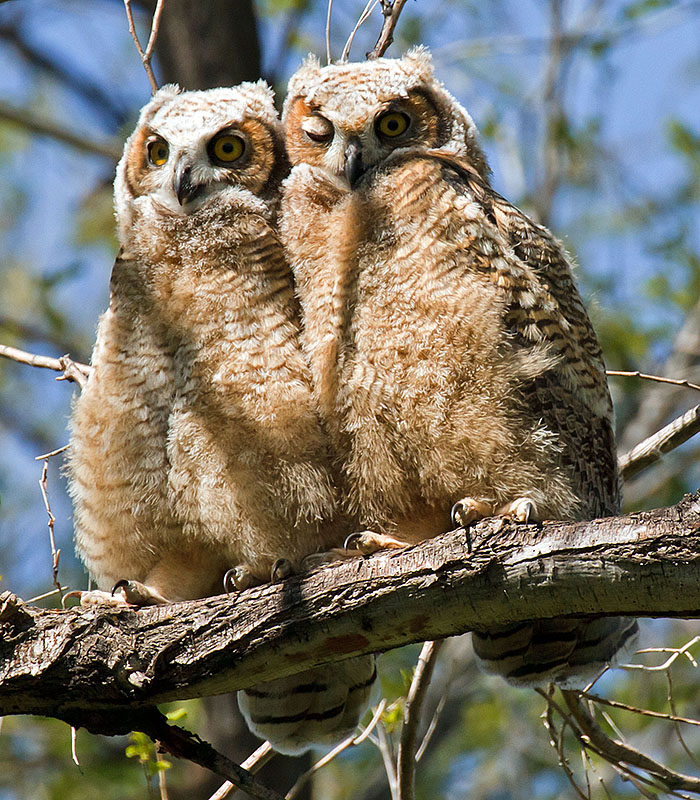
(196, 444)
(452, 358)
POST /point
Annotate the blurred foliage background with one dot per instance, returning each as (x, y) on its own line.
(590, 114)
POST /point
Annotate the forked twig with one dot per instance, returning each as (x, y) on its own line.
(72, 370)
(406, 762)
(368, 9)
(619, 754)
(146, 54)
(391, 10)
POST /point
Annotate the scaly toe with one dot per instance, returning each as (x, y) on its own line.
(521, 510)
(468, 510)
(136, 593)
(239, 578)
(281, 569)
(368, 542)
(97, 599)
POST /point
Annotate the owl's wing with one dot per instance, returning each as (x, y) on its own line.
(572, 397)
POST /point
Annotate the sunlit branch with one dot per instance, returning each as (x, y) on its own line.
(72, 370)
(391, 9)
(147, 54)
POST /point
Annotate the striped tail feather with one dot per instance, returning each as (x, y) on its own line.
(569, 652)
(315, 708)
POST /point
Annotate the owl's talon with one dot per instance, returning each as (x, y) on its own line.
(281, 569)
(522, 509)
(97, 599)
(368, 542)
(240, 577)
(138, 594)
(468, 510)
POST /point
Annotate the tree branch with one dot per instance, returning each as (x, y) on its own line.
(43, 127)
(652, 449)
(72, 370)
(76, 664)
(391, 10)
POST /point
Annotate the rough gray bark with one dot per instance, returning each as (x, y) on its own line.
(82, 666)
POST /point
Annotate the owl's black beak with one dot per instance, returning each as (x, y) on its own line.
(185, 190)
(354, 166)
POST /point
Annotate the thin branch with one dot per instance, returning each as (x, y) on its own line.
(645, 712)
(182, 744)
(651, 450)
(350, 741)
(406, 763)
(254, 763)
(384, 745)
(368, 9)
(391, 9)
(328, 32)
(618, 753)
(146, 54)
(620, 373)
(55, 553)
(43, 127)
(72, 370)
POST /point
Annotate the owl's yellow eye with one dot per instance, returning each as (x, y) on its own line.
(393, 124)
(227, 148)
(158, 152)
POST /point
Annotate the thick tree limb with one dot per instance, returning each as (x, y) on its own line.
(83, 666)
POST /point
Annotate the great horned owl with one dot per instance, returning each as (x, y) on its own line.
(453, 361)
(196, 445)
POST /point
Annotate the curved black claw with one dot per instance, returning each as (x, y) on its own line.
(136, 593)
(456, 517)
(281, 569)
(239, 578)
(353, 537)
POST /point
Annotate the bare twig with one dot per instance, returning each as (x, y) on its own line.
(620, 373)
(619, 754)
(368, 9)
(74, 746)
(635, 710)
(406, 766)
(55, 553)
(431, 727)
(652, 449)
(677, 720)
(328, 32)
(47, 594)
(72, 370)
(30, 121)
(387, 751)
(254, 763)
(391, 10)
(183, 744)
(350, 741)
(146, 54)
(676, 652)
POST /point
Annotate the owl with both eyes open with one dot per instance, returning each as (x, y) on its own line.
(453, 362)
(196, 445)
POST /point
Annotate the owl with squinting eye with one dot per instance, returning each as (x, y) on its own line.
(196, 445)
(454, 365)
